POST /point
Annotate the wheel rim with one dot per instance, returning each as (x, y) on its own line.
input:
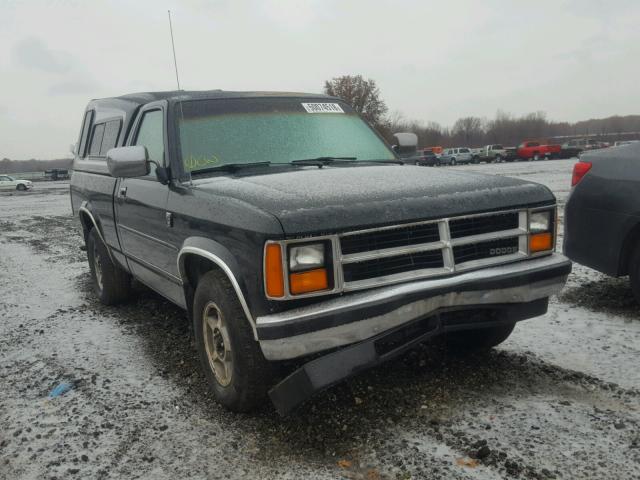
(217, 344)
(97, 265)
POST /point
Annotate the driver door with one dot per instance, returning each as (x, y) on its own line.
(141, 214)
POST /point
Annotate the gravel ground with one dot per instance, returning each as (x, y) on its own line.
(559, 399)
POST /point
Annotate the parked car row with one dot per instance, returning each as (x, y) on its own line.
(528, 150)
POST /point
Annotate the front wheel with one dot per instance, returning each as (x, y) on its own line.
(21, 187)
(498, 159)
(470, 341)
(233, 363)
(110, 282)
(453, 161)
(536, 157)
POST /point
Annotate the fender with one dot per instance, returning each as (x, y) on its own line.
(84, 209)
(223, 258)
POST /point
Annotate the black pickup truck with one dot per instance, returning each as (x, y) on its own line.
(291, 233)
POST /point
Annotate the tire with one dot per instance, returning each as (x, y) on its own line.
(452, 161)
(236, 370)
(110, 282)
(21, 187)
(634, 274)
(481, 339)
(536, 157)
(497, 159)
(476, 160)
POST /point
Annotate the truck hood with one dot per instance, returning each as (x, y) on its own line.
(332, 199)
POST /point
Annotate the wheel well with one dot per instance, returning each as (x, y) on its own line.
(630, 242)
(194, 267)
(87, 225)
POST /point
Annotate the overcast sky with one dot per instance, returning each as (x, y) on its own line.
(433, 60)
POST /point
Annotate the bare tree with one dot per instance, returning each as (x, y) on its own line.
(363, 95)
(468, 131)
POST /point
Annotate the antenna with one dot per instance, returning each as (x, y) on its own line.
(173, 46)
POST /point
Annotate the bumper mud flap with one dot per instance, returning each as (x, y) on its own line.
(323, 372)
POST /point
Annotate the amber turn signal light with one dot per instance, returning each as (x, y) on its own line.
(309, 281)
(274, 277)
(540, 242)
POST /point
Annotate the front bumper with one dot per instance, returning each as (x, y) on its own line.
(359, 316)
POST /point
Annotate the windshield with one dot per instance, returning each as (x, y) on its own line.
(276, 130)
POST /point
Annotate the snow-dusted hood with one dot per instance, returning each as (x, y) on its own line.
(332, 199)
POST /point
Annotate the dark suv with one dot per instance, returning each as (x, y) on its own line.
(602, 216)
(288, 229)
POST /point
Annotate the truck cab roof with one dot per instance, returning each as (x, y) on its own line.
(143, 98)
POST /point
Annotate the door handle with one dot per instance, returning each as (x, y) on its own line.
(123, 191)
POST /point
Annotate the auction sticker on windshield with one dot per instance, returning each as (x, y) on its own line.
(322, 108)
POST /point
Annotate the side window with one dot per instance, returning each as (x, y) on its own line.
(110, 139)
(96, 140)
(84, 134)
(151, 135)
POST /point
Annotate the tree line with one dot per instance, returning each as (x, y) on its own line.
(510, 130)
(33, 165)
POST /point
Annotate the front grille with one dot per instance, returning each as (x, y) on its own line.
(388, 255)
(379, 267)
(390, 238)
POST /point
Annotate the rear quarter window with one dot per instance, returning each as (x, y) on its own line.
(96, 140)
(110, 138)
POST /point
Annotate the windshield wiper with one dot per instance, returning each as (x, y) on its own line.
(321, 161)
(229, 167)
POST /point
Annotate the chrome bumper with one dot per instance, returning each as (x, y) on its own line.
(352, 318)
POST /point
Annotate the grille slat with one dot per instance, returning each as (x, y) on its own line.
(479, 251)
(359, 272)
(465, 227)
(400, 237)
(392, 265)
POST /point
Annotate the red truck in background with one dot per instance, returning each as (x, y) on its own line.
(533, 150)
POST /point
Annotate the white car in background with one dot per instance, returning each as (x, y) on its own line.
(10, 183)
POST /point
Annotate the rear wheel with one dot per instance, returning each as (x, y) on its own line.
(233, 363)
(634, 274)
(469, 341)
(110, 282)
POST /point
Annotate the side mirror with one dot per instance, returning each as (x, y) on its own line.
(128, 162)
(394, 148)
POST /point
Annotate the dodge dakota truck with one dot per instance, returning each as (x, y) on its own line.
(294, 236)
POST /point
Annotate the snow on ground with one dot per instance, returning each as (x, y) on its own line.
(559, 399)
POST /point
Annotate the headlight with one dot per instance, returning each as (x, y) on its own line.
(297, 269)
(541, 235)
(540, 221)
(306, 257)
